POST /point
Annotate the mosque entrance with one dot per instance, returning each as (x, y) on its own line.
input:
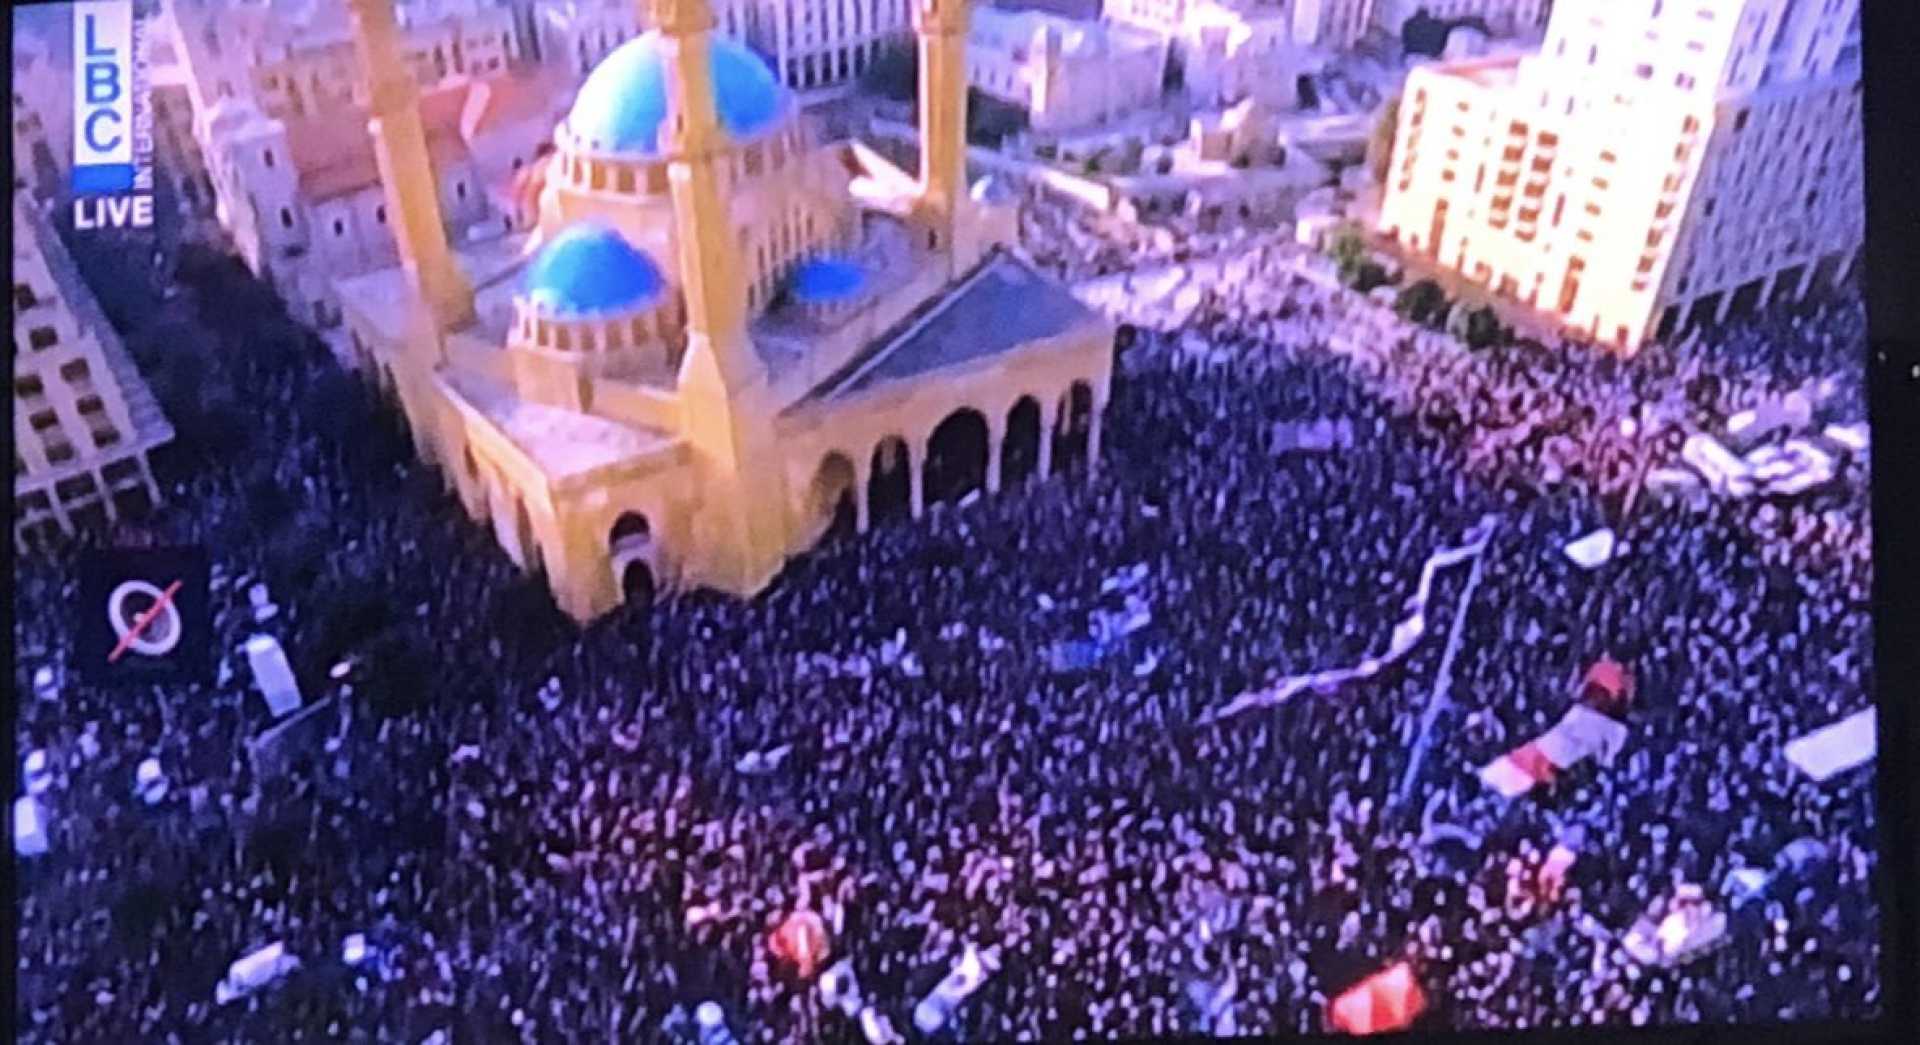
(831, 498)
(636, 584)
(1020, 453)
(890, 488)
(1076, 421)
(957, 457)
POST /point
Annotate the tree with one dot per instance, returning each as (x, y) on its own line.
(1380, 143)
(1423, 303)
(1370, 276)
(1484, 329)
(1349, 247)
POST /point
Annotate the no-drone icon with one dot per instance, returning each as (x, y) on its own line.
(143, 616)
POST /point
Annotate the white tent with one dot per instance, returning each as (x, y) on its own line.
(273, 675)
(1582, 733)
(967, 976)
(1832, 750)
(1592, 551)
(256, 970)
(29, 827)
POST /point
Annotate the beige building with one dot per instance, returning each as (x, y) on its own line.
(1648, 166)
(1066, 74)
(42, 141)
(83, 419)
(724, 336)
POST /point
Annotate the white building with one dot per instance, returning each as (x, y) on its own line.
(1065, 73)
(84, 421)
(1653, 163)
(811, 44)
(1225, 51)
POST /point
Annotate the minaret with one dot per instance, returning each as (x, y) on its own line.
(724, 397)
(942, 27)
(406, 169)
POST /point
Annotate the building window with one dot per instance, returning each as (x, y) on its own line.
(24, 298)
(339, 227)
(28, 387)
(44, 420)
(286, 217)
(75, 372)
(460, 190)
(60, 452)
(266, 157)
(380, 214)
(105, 436)
(42, 338)
(1684, 82)
(1643, 71)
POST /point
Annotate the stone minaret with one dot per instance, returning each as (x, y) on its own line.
(406, 169)
(724, 394)
(942, 27)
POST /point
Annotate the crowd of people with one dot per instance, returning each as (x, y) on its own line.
(549, 834)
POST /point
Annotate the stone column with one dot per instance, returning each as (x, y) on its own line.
(1044, 469)
(916, 479)
(862, 501)
(1724, 307)
(1805, 285)
(1093, 437)
(996, 449)
(105, 493)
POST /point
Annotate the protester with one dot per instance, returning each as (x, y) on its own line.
(586, 861)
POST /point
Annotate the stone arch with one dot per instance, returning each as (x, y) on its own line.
(889, 483)
(1020, 447)
(1071, 432)
(830, 497)
(632, 529)
(957, 452)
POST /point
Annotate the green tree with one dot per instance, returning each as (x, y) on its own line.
(1369, 276)
(1423, 303)
(1349, 247)
(1380, 143)
(1484, 329)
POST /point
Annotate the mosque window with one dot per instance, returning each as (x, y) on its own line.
(639, 330)
(286, 217)
(616, 337)
(266, 157)
(597, 172)
(460, 189)
(380, 214)
(625, 183)
(339, 227)
(563, 339)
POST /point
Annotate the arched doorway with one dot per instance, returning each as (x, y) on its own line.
(956, 456)
(1020, 453)
(631, 530)
(889, 487)
(1070, 437)
(830, 499)
(636, 583)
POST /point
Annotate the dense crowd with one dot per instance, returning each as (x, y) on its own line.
(556, 835)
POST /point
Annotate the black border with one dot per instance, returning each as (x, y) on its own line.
(1891, 73)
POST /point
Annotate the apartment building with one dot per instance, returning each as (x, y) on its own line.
(84, 422)
(1658, 163)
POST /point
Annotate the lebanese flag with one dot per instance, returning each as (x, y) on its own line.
(1519, 771)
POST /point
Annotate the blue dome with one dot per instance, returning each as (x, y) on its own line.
(589, 268)
(623, 105)
(825, 281)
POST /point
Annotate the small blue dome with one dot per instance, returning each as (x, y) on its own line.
(825, 281)
(622, 107)
(590, 268)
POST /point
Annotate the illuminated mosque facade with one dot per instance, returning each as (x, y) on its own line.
(721, 337)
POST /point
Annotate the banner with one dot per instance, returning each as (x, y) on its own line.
(1827, 752)
(1406, 634)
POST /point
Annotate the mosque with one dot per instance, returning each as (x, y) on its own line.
(721, 338)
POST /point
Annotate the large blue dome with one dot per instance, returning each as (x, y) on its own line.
(589, 268)
(623, 105)
(828, 280)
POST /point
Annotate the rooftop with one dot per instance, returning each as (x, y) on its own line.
(562, 443)
(1500, 71)
(1002, 306)
(333, 151)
